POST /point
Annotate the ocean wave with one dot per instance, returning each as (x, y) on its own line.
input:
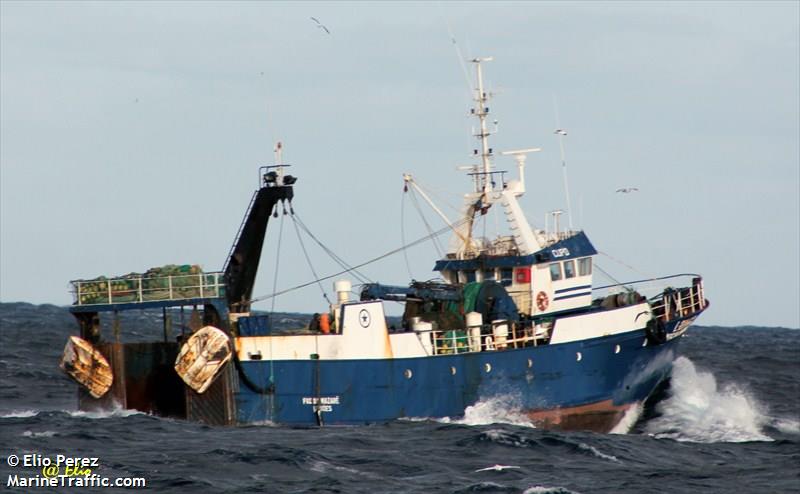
(39, 434)
(96, 414)
(785, 425)
(699, 410)
(487, 487)
(18, 414)
(541, 489)
(628, 420)
(500, 409)
(506, 438)
(322, 466)
(594, 451)
(115, 412)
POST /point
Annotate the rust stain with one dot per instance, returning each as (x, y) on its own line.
(602, 416)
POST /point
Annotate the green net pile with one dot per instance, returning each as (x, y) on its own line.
(172, 281)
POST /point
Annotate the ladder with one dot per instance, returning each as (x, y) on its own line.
(239, 232)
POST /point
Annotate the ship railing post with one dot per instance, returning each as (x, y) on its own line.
(169, 281)
(141, 295)
(200, 276)
(514, 333)
(108, 285)
(78, 292)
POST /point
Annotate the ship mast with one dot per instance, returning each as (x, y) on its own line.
(483, 181)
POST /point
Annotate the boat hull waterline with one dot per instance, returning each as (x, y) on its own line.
(547, 384)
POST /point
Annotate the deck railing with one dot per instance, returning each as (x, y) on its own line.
(137, 289)
(670, 297)
(499, 335)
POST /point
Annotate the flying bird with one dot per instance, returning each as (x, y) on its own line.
(496, 468)
(560, 132)
(626, 190)
(320, 25)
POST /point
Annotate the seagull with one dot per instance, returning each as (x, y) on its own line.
(560, 132)
(320, 25)
(496, 468)
(626, 190)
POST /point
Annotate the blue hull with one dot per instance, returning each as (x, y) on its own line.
(547, 382)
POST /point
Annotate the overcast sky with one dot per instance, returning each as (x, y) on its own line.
(131, 134)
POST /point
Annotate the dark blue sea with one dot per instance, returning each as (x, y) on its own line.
(727, 422)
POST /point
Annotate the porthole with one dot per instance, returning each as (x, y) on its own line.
(617, 349)
(453, 371)
(578, 356)
(408, 373)
(488, 367)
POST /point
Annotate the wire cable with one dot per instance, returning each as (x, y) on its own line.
(403, 233)
(427, 225)
(373, 260)
(341, 262)
(308, 260)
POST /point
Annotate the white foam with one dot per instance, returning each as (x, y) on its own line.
(420, 419)
(699, 411)
(500, 409)
(38, 434)
(16, 414)
(787, 426)
(114, 412)
(321, 466)
(542, 489)
(628, 420)
(597, 453)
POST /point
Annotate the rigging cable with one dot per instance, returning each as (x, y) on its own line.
(308, 260)
(458, 50)
(627, 266)
(427, 225)
(403, 232)
(272, 312)
(277, 265)
(365, 263)
(349, 269)
(616, 281)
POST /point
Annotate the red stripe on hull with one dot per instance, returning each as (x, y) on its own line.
(602, 416)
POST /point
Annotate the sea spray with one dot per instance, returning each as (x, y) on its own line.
(699, 410)
(499, 409)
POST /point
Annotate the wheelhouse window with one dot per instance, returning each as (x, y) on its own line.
(569, 269)
(555, 271)
(506, 276)
(469, 276)
(585, 266)
(488, 274)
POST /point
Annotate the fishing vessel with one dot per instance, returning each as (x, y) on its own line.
(516, 317)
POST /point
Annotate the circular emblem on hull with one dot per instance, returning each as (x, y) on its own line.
(542, 301)
(364, 318)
